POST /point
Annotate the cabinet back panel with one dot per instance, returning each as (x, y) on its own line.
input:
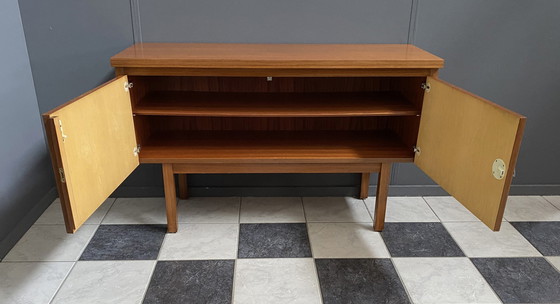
(277, 84)
(167, 123)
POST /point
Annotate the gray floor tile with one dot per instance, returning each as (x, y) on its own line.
(444, 280)
(51, 243)
(271, 210)
(107, 282)
(521, 280)
(276, 281)
(191, 282)
(545, 236)
(478, 241)
(125, 242)
(273, 241)
(31, 282)
(360, 281)
(419, 240)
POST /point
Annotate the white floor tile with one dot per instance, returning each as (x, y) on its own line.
(530, 208)
(29, 283)
(146, 210)
(444, 280)
(201, 242)
(448, 209)
(51, 243)
(209, 210)
(405, 209)
(346, 240)
(53, 214)
(271, 210)
(274, 281)
(553, 199)
(477, 240)
(555, 261)
(335, 209)
(106, 282)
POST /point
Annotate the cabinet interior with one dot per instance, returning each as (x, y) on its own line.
(278, 118)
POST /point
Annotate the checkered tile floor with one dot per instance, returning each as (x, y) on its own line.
(289, 250)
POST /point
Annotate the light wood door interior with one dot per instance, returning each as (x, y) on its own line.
(460, 137)
(92, 139)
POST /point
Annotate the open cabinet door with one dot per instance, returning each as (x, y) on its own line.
(469, 146)
(93, 148)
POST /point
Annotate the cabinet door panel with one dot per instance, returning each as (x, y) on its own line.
(461, 136)
(92, 143)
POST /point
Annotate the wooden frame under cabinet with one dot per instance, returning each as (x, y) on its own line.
(250, 108)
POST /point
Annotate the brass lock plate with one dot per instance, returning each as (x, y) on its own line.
(499, 169)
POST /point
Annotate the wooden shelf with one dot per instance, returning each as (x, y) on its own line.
(180, 103)
(275, 146)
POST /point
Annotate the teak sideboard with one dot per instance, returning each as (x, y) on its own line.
(281, 108)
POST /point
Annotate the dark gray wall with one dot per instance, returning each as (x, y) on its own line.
(26, 177)
(486, 46)
(508, 52)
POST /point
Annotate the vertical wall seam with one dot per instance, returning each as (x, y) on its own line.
(135, 20)
(412, 21)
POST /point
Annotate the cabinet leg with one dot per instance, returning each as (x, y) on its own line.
(183, 194)
(381, 196)
(364, 186)
(170, 197)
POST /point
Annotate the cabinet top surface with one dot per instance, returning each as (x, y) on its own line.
(297, 56)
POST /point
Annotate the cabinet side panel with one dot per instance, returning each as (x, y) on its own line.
(460, 138)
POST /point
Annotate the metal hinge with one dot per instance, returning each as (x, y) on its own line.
(136, 150)
(62, 131)
(426, 86)
(62, 177)
(128, 86)
(416, 149)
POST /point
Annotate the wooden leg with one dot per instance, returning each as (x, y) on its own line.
(364, 187)
(183, 194)
(381, 196)
(170, 197)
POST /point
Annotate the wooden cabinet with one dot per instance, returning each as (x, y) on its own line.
(273, 108)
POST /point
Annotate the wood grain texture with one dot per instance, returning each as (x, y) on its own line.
(276, 72)
(183, 186)
(95, 140)
(275, 104)
(170, 197)
(166, 124)
(274, 167)
(277, 146)
(383, 179)
(270, 56)
(460, 136)
(364, 185)
(283, 84)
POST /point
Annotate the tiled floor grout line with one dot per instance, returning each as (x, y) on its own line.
(233, 281)
(367, 209)
(433, 211)
(149, 279)
(236, 250)
(391, 258)
(553, 266)
(108, 210)
(312, 254)
(486, 281)
(401, 279)
(553, 205)
(62, 283)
